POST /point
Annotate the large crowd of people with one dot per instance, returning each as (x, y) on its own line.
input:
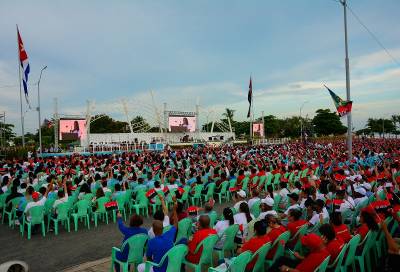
(309, 197)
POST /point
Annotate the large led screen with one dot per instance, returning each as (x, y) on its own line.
(72, 129)
(258, 129)
(182, 123)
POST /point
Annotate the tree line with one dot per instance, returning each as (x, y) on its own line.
(323, 123)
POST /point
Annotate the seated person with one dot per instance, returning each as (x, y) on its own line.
(266, 208)
(255, 198)
(158, 246)
(134, 228)
(341, 230)
(198, 237)
(161, 215)
(293, 202)
(260, 239)
(333, 244)
(317, 255)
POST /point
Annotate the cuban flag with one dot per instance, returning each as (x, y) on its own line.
(23, 59)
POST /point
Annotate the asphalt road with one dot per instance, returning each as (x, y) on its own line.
(55, 253)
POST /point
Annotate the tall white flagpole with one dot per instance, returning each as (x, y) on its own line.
(349, 123)
(20, 92)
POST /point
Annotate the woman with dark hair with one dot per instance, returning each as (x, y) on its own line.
(134, 228)
(84, 189)
(243, 217)
(332, 244)
(274, 229)
(368, 223)
(252, 245)
(341, 230)
(222, 225)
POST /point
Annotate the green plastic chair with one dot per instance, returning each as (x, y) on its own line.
(229, 241)
(48, 206)
(184, 229)
(157, 202)
(277, 200)
(121, 199)
(206, 257)
(88, 196)
(82, 211)
(260, 254)
(136, 245)
(210, 192)
(364, 259)
(322, 267)
(101, 210)
(175, 257)
(337, 264)
(381, 240)
(196, 198)
(62, 216)
(351, 252)
(238, 263)
(11, 215)
(268, 182)
(255, 209)
(245, 184)
(261, 182)
(141, 205)
(300, 232)
(37, 217)
(222, 194)
(280, 243)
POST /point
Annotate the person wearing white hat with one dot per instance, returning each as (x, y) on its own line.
(266, 207)
(360, 195)
(240, 198)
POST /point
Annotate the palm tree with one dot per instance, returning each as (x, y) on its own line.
(229, 114)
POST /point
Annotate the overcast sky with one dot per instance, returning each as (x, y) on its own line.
(184, 51)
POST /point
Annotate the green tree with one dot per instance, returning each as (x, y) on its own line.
(326, 122)
(140, 124)
(106, 124)
(228, 114)
(7, 132)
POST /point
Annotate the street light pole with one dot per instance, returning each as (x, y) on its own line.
(38, 109)
(301, 121)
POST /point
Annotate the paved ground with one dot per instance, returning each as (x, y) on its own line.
(67, 250)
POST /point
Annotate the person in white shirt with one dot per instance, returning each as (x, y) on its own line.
(254, 199)
(161, 215)
(283, 193)
(243, 217)
(36, 202)
(266, 208)
(240, 198)
(360, 195)
(293, 199)
(62, 197)
(222, 225)
(321, 214)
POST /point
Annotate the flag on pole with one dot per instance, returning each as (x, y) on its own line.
(342, 107)
(249, 97)
(23, 59)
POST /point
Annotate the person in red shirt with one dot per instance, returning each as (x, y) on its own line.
(240, 178)
(368, 223)
(198, 237)
(341, 230)
(317, 255)
(295, 223)
(333, 244)
(260, 239)
(275, 229)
